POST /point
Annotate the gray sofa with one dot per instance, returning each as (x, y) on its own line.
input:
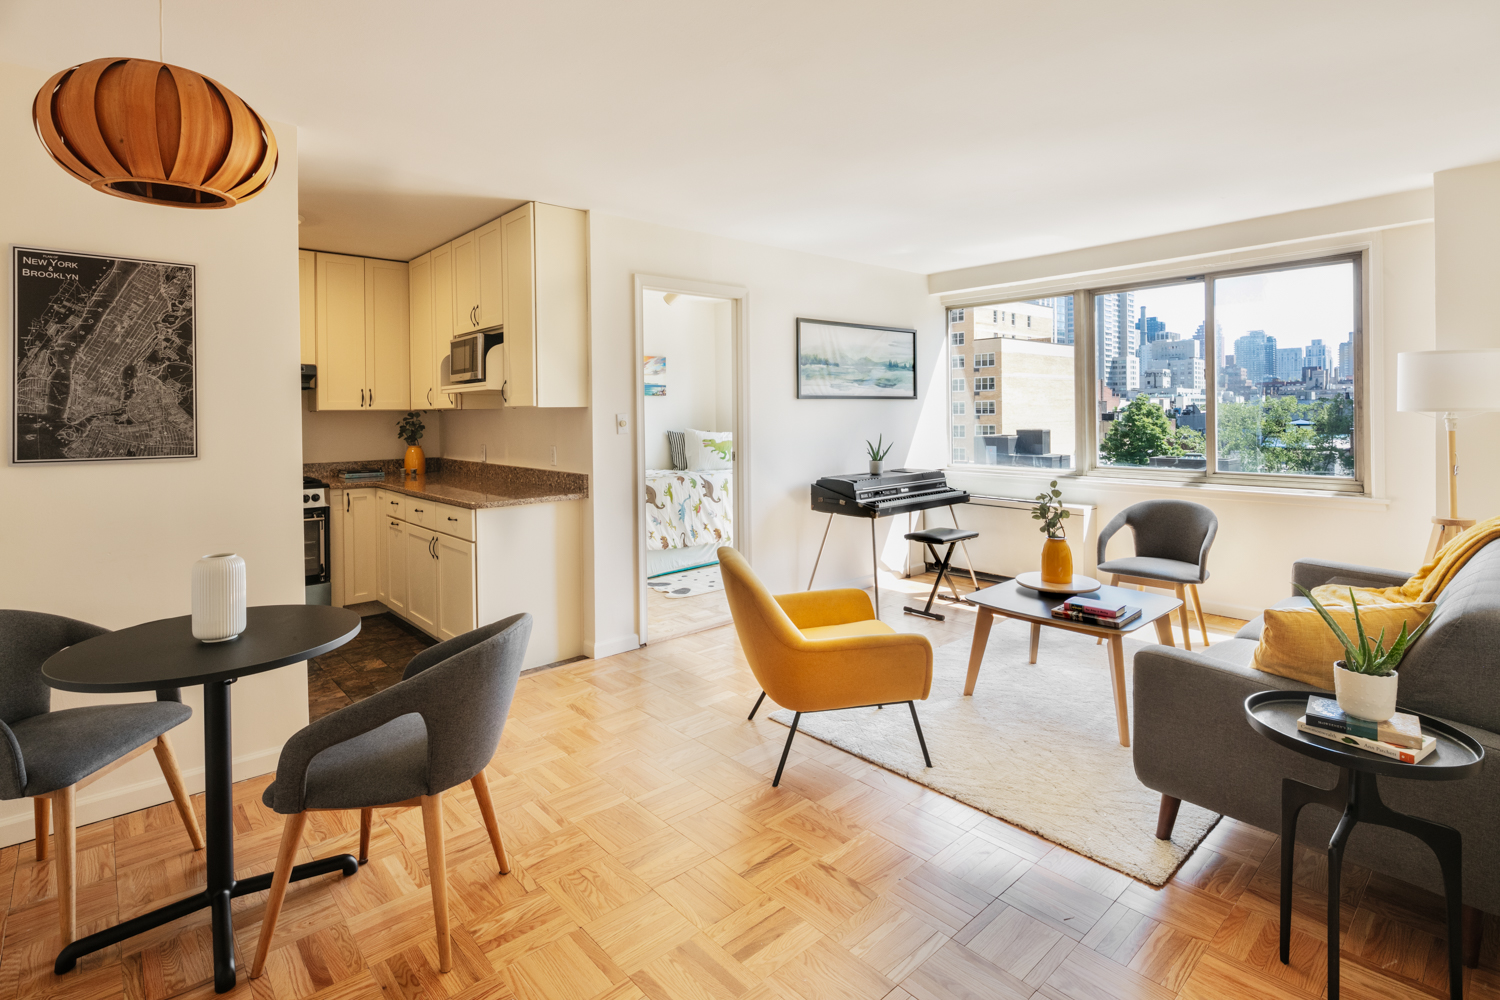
(1191, 740)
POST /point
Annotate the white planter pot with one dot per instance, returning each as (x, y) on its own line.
(874, 468)
(218, 597)
(1365, 696)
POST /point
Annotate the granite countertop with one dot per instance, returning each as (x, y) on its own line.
(473, 485)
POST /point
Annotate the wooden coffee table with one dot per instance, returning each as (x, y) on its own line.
(1011, 600)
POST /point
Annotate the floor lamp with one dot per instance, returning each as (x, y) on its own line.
(1448, 383)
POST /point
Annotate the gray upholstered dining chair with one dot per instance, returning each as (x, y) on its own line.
(434, 729)
(48, 756)
(1172, 539)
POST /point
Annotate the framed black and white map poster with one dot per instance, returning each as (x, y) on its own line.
(104, 358)
(854, 361)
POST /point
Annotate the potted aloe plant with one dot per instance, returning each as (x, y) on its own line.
(1365, 680)
(877, 453)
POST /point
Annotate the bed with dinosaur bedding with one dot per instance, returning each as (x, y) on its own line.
(688, 516)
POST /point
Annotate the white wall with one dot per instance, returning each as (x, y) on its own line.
(114, 542)
(519, 435)
(686, 332)
(794, 441)
(1468, 261)
(1262, 533)
(352, 436)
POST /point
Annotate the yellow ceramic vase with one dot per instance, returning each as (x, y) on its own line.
(416, 461)
(1057, 561)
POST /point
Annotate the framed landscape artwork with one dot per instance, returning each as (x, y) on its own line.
(855, 361)
(104, 358)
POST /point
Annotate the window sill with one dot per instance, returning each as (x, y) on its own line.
(1080, 484)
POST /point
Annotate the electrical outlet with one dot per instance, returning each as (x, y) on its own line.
(554, 454)
(622, 423)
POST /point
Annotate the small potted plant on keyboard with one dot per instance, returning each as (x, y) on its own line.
(1365, 680)
(877, 453)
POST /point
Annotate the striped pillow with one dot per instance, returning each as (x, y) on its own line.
(676, 445)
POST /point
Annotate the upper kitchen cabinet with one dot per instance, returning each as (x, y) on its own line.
(478, 282)
(546, 305)
(388, 336)
(362, 321)
(307, 301)
(431, 277)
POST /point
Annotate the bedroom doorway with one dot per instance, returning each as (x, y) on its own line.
(689, 452)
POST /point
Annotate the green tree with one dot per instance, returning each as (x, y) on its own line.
(1137, 432)
(1187, 441)
(1281, 434)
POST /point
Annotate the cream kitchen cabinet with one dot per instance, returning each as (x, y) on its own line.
(478, 279)
(421, 577)
(390, 587)
(546, 306)
(307, 304)
(362, 321)
(431, 314)
(356, 538)
(455, 585)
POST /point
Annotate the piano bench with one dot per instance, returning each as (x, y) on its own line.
(941, 536)
(932, 537)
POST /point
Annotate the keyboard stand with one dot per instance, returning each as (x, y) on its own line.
(874, 560)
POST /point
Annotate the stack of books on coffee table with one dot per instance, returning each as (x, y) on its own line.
(1399, 737)
(1099, 613)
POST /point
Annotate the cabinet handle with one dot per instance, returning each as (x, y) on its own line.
(361, 397)
(395, 503)
(417, 509)
(346, 503)
(504, 397)
(429, 397)
(453, 519)
(372, 397)
(432, 548)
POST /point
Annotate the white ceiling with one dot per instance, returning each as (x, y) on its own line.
(922, 136)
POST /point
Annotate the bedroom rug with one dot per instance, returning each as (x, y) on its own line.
(1036, 746)
(689, 583)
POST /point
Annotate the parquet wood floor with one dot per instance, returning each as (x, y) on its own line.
(669, 617)
(652, 859)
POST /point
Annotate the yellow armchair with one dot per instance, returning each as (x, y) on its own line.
(823, 650)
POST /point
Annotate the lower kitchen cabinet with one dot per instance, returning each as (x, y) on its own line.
(421, 577)
(448, 570)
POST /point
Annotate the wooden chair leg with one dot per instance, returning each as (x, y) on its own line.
(286, 855)
(41, 807)
(481, 786)
(1198, 607)
(67, 864)
(366, 819)
(1182, 612)
(1166, 817)
(437, 864)
(169, 769)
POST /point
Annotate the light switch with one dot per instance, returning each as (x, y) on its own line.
(622, 423)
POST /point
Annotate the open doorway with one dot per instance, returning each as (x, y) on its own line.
(690, 454)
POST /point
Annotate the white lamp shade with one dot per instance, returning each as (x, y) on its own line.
(1448, 381)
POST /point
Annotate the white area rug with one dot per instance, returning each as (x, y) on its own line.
(1035, 746)
(689, 583)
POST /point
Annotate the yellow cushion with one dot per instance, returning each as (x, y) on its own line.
(871, 627)
(1297, 642)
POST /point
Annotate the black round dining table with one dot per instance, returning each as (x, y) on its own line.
(163, 656)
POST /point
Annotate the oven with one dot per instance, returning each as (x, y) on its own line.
(316, 542)
(468, 352)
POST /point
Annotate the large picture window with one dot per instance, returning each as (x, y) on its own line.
(1245, 376)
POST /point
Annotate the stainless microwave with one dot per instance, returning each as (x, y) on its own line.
(467, 353)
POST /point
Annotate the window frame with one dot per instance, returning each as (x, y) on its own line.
(1086, 445)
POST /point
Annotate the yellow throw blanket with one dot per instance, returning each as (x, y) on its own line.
(1430, 579)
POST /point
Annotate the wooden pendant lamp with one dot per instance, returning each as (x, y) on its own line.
(153, 132)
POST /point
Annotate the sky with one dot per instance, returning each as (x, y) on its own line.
(1293, 306)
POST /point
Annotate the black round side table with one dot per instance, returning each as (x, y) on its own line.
(1274, 714)
(163, 656)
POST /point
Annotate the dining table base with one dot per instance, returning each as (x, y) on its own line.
(218, 808)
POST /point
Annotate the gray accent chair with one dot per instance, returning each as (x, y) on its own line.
(48, 756)
(405, 746)
(1172, 539)
(1192, 741)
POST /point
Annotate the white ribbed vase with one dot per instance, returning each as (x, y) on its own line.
(218, 597)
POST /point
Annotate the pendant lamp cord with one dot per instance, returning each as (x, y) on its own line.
(160, 46)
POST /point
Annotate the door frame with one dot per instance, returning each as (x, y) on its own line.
(739, 311)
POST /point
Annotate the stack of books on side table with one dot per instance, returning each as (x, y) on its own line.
(1101, 614)
(1399, 737)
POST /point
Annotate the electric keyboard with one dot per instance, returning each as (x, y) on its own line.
(899, 491)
